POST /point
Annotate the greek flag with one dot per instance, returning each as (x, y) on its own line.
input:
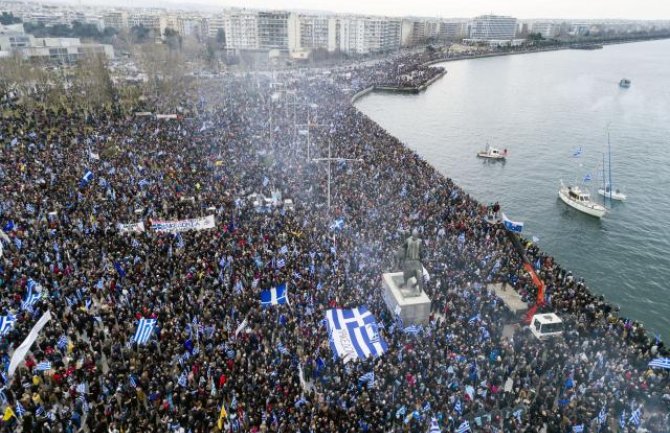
(458, 407)
(283, 250)
(578, 428)
(622, 419)
(281, 263)
(513, 226)
(31, 297)
(133, 381)
(434, 426)
(517, 415)
(636, 417)
(464, 427)
(86, 178)
(62, 342)
(587, 177)
(182, 381)
(43, 366)
(282, 349)
(30, 208)
(368, 379)
(143, 183)
(275, 296)
(266, 181)
(144, 330)
(337, 224)
(602, 416)
(20, 411)
(413, 329)
(401, 412)
(81, 388)
(660, 363)
(354, 334)
(474, 319)
(576, 153)
(6, 324)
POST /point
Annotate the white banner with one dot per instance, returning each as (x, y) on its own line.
(131, 228)
(21, 351)
(183, 225)
(166, 116)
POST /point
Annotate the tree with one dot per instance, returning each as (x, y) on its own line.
(9, 18)
(535, 36)
(221, 38)
(140, 33)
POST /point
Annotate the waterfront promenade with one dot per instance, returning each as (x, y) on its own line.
(272, 368)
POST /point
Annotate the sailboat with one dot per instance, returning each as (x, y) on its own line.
(608, 190)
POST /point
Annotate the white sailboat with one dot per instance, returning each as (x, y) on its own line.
(608, 190)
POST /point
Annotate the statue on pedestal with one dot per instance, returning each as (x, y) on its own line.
(410, 261)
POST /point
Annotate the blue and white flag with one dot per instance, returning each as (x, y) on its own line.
(576, 153)
(517, 414)
(474, 319)
(182, 381)
(660, 363)
(32, 296)
(464, 427)
(337, 224)
(133, 381)
(401, 412)
(602, 416)
(144, 330)
(622, 419)
(283, 250)
(62, 342)
(434, 426)
(354, 334)
(458, 407)
(636, 417)
(512, 226)
(20, 411)
(266, 181)
(275, 296)
(282, 349)
(30, 208)
(143, 183)
(281, 263)
(587, 177)
(43, 366)
(86, 178)
(368, 379)
(6, 324)
(413, 329)
(579, 428)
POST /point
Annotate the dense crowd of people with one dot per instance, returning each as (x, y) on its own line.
(271, 368)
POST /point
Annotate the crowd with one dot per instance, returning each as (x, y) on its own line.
(271, 368)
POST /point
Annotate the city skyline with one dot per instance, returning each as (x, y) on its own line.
(523, 9)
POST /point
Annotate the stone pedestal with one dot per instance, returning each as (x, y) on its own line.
(412, 308)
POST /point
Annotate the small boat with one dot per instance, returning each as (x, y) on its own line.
(492, 153)
(614, 194)
(574, 197)
(625, 83)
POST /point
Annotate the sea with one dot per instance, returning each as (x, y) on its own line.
(545, 108)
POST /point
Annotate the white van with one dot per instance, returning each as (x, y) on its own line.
(545, 326)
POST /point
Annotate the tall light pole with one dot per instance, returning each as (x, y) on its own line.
(330, 159)
(309, 127)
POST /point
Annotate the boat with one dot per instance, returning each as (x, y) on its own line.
(578, 199)
(492, 153)
(607, 190)
(625, 83)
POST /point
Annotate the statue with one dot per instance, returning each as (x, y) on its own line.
(410, 262)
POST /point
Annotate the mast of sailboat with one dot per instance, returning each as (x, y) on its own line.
(604, 181)
(609, 163)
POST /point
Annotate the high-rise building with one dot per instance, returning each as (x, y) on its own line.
(364, 35)
(492, 28)
(116, 20)
(452, 30)
(241, 29)
(546, 29)
(273, 30)
(309, 32)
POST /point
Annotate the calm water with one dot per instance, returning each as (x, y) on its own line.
(541, 107)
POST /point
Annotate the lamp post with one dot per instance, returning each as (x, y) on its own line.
(330, 159)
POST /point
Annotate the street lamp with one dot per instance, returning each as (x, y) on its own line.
(330, 159)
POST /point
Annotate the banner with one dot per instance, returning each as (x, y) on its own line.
(166, 116)
(131, 228)
(183, 225)
(22, 350)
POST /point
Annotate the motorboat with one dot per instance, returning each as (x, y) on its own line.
(625, 83)
(492, 153)
(614, 194)
(576, 198)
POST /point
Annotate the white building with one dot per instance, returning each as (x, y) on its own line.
(62, 50)
(310, 32)
(362, 35)
(116, 19)
(546, 29)
(241, 29)
(492, 28)
(273, 30)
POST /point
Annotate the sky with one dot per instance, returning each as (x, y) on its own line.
(587, 9)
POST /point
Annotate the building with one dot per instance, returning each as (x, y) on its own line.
(157, 22)
(492, 28)
(241, 30)
(60, 50)
(273, 30)
(453, 30)
(546, 29)
(418, 31)
(116, 20)
(363, 35)
(311, 32)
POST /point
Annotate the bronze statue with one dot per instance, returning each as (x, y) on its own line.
(410, 262)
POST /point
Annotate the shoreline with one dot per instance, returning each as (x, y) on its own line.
(415, 90)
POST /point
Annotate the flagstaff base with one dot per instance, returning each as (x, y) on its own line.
(411, 308)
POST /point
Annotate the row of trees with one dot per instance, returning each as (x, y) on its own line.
(76, 30)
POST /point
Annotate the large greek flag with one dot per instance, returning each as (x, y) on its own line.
(144, 330)
(660, 363)
(354, 334)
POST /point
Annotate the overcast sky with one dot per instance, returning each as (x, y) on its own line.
(587, 9)
(625, 9)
